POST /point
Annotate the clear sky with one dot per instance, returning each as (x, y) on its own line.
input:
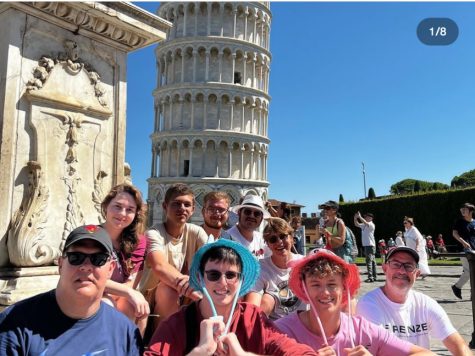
(350, 83)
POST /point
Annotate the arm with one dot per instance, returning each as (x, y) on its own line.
(253, 298)
(141, 306)
(337, 241)
(457, 237)
(170, 275)
(419, 351)
(456, 345)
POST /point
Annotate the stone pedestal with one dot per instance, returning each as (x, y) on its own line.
(62, 123)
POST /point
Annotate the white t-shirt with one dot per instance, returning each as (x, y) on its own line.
(179, 252)
(367, 233)
(274, 281)
(419, 318)
(257, 246)
(399, 241)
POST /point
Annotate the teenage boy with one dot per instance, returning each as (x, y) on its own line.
(171, 246)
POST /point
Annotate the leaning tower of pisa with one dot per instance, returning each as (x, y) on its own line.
(211, 101)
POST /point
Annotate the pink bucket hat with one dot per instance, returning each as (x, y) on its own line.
(351, 281)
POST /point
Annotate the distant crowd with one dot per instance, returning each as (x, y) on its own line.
(241, 283)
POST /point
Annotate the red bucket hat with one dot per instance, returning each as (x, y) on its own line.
(351, 280)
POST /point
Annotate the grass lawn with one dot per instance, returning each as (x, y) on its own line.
(450, 261)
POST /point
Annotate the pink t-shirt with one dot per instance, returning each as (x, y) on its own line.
(376, 339)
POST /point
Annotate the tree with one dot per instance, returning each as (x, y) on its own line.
(407, 186)
(464, 180)
(371, 193)
(417, 186)
(340, 199)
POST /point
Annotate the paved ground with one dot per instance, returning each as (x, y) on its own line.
(438, 287)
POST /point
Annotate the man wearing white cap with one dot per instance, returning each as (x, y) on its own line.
(251, 213)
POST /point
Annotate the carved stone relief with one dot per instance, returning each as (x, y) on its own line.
(73, 64)
(26, 245)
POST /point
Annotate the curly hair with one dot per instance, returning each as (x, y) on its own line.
(322, 267)
(129, 237)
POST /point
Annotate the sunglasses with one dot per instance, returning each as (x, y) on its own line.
(214, 275)
(273, 239)
(256, 213)
(97, 259)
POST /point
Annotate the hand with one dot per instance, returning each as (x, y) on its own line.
(357, 351)
(209, 332)
(183, 288)
(231, 346)
(326, 351)
(141, 306)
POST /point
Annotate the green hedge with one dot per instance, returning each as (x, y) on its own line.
(433, 213)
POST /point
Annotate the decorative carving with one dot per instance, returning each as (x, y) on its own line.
(26, 235)
(73, 64)
(74, 215)
(127, 173)
(74, 122)
(98, 194)
(91, 22)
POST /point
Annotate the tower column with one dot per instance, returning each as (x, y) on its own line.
(208, 22)
(234, 22)
(207, 53)
(194, 54)
(184, 19)
(182, 66)
(197, 11)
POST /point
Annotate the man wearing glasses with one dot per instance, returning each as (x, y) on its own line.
(71, 319)
(215, 214)
(251, 213)
(411, 315)
(171, 246)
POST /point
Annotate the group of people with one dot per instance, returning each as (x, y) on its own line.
(183, 289)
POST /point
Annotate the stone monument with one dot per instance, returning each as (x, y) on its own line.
(62, 126)
(211, 101)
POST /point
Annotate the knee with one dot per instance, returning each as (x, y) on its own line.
(165, 294)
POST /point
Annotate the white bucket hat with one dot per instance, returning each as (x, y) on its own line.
(253, 202)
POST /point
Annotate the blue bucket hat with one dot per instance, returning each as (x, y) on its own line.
(250, 267)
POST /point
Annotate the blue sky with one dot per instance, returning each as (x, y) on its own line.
(350, 83)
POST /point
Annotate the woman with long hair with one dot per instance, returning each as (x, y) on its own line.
(416, 241)
(124, 214)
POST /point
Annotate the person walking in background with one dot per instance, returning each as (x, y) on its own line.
(416, 241)
(399, 239)
(334, 230)
(366, 224)
(430, 247)
(464, 232)
(299, 234)
(440, 244)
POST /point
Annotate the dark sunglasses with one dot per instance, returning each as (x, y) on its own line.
(273, 239)
(97, 259)
(214, 275)
(256, 213)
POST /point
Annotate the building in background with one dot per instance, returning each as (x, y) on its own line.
(211, 101)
